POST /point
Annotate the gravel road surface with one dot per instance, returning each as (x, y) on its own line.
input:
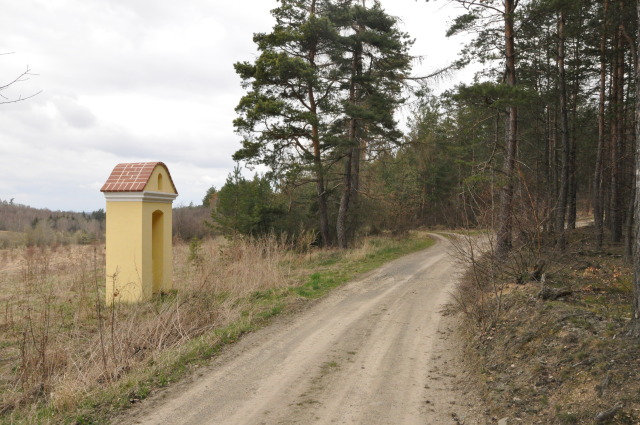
(375, 351)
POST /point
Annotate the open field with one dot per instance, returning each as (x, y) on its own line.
(66, 356)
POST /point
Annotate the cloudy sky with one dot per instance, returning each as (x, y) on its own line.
(140, 80)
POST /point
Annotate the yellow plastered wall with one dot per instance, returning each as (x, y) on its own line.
(124, 252)
(160, 175)
(139, 242)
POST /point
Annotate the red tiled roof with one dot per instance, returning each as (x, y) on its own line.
(131, 177)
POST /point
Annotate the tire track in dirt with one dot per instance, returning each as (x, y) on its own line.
(374, 351)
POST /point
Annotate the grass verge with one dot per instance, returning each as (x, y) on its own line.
(223, 291)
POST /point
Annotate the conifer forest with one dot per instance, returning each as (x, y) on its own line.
(545, 134)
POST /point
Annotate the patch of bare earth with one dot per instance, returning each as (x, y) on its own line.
(379, 350)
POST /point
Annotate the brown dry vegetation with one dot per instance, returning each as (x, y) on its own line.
(59, 340)
(23, 225)
(65, 355)
(554, 361)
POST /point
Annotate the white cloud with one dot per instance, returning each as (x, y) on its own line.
(73, 113)
(137, 80)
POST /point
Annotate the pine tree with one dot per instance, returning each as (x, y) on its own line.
(326, 84)
(245, 206)
(372, 60)
(490, 38)
(285, 114)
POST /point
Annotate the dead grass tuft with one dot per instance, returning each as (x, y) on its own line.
(64, 352)
(59, 341)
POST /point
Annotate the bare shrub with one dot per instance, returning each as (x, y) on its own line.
(480, 295)
(305, 239)
(480, 292)
(189, 222)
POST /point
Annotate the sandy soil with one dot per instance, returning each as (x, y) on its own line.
(376, 351)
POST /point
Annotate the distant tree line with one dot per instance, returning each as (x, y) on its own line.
(189, 222)
(21, 224)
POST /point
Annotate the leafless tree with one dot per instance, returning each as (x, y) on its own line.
(23, 76)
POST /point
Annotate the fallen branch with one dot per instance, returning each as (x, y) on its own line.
(547, 293)
(608, 414)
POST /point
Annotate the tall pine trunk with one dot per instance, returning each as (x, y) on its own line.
(573, 178)
(598, 177)
(341, 221)
(564, 132)
(358, 151)
(630, 219)
(322, 196)
(505, 213)
(617, 134)
(548, 178)
(352, 159)
(572, 207)
(554, 171)
(635, 323)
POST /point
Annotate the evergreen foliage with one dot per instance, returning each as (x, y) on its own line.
(547, 128)
(246, 206)
(323, 90)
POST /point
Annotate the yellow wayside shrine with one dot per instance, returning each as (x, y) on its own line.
(139, 196)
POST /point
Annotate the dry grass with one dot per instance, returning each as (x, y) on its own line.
(555, 361)
(65, 354)
(59, 341)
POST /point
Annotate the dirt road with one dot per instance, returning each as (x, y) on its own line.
(375, 351)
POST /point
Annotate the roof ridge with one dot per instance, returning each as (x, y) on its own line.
(132, 177)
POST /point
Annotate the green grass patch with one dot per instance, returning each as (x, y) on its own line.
(339, 268)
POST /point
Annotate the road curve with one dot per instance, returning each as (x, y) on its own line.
(368, 353)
